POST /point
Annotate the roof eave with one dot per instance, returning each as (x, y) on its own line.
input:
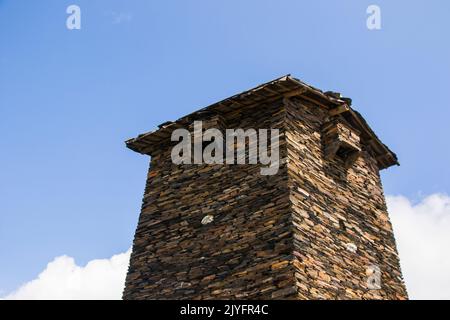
(148, 143)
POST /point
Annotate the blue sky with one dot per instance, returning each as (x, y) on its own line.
(69, 98)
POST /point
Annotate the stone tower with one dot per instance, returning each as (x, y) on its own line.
(317, 229)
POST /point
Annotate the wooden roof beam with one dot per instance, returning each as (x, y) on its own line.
(295, 92)
(338, 110)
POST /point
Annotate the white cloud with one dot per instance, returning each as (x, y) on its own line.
(422, 232)
(62, 279)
